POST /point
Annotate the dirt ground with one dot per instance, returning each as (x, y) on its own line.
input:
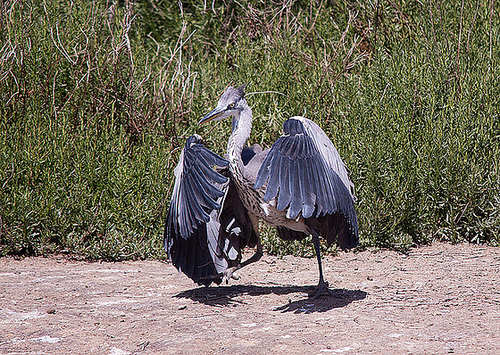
(435, 300)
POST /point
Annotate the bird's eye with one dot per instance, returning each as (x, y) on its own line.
(230, 106)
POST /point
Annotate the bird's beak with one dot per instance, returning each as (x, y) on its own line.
(212, 115)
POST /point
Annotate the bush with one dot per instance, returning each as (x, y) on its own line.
(97, 99)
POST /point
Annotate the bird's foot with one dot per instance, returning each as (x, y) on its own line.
(228, 274)
(321, 290)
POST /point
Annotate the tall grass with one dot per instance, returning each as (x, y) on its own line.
(97, 99)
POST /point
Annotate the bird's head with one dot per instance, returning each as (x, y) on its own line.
(231, 103)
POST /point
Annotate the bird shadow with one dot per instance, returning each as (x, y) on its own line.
(226, 296)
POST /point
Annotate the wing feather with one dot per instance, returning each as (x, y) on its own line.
(306, 191)
(284, 195)
(296, 198)
(274, 180)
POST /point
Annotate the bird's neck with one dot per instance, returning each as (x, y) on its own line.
(242, 127)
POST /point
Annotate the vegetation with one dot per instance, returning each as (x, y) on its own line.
(97, 98)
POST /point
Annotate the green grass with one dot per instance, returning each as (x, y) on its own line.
(96, 101)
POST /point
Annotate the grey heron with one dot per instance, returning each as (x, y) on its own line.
(300, 186)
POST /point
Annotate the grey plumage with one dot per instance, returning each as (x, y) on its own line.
(300, 186)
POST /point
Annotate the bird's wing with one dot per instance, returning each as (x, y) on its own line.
(203, 232)
(304, 171)
(328, 152)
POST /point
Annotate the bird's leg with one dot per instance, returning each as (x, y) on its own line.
(228, 273)
(256, 257)
(322, 288)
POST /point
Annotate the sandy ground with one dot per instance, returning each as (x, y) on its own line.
(435, 300)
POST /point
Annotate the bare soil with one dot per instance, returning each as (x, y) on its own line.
(435, 300)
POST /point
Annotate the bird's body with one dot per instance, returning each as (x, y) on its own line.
(245, 176)
(253, 199)
(300, 186)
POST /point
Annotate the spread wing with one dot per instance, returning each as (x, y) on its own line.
(206, 225)
(305, 174)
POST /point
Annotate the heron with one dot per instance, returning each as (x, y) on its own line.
(300, 186)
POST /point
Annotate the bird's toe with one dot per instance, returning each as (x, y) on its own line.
(228, 274)
(321, 290)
